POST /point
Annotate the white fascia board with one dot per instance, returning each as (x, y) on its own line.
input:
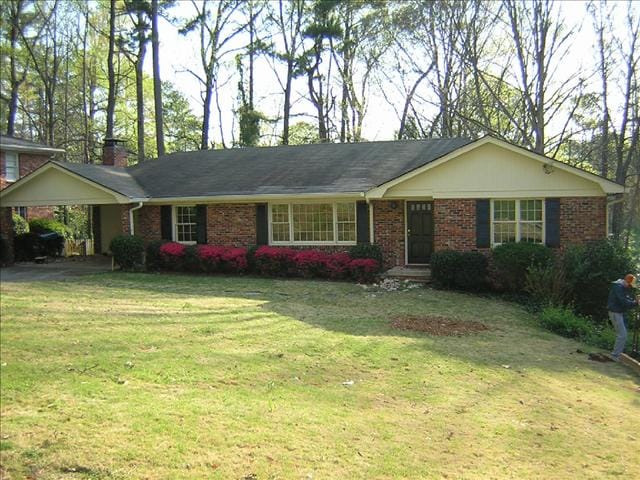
(24, 149)
(118, 197)
(255, 198)
(607, 186)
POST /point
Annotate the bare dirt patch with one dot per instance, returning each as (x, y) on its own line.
(438, 326)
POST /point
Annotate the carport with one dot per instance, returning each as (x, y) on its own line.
(111, 192)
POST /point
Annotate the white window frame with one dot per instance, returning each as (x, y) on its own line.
(334, 206)
(518, 221)
(174, 222)
(15, 166)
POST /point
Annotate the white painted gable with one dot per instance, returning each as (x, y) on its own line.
(493, 171)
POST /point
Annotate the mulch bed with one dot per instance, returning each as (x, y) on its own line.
(438, 326)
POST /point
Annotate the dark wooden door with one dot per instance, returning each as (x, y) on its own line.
(419, 231)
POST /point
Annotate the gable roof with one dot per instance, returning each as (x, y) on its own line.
(11, 143)
(118, 180)
(328, 169)
(304, 169)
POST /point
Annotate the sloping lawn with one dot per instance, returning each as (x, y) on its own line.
(155, 376)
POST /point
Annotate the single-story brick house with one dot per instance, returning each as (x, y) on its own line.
(410, 197)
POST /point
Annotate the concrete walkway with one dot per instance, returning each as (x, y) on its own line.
(55, 269)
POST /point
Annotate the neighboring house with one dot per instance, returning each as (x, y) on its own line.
(19, 157)
(410, 197)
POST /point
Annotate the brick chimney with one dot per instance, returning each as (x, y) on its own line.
(114, 153)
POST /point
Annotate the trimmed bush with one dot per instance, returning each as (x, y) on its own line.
(172, 255)
(222, 259)
(589, 270)
(153, 261)
(5, 254)
(459, 270)
(511, 261)
(20, 225)
(275, 262)
(364, 270)
(311, 263)
(366, 250)
(337, 266)
(547, 284)
(563, 321)
(46, 225)
(128, 251)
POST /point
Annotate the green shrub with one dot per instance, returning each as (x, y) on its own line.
(589, 270)
(128, 251)
(153, 261)
(45, 225)
(512, 260)
(563, 321)
(20, 225)
(366, 250)
(191, 260)
(547, 284)
(76, 219)
(5, 253)
(459, 270)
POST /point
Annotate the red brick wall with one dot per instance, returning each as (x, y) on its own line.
(389, 231)
(231, 224)
(454, 224)
(148, 226)
(582, 219)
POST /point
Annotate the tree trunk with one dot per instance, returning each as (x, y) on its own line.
(111, 99)
(157, 84)
(142, 50)
(287, 103)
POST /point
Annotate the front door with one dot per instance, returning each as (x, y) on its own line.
(419, 231)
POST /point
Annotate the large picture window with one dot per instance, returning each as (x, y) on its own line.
(185, 225)
(517, 221)
(313, 223)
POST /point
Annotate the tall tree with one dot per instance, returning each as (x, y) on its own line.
(157, 82)
(216, 28)
(287, 20)
(139, 12)
(111, 99)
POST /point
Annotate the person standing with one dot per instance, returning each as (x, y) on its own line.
(620, 300)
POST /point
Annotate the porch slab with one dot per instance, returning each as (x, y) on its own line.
(421, 273)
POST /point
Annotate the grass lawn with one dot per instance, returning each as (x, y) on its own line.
(154, 376)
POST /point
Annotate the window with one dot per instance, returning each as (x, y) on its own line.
(517, 221)
(185, 226)
(313, 223)
(22, 211)
(11, 169)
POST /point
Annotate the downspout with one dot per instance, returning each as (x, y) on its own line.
(131, 210)
(370, 209)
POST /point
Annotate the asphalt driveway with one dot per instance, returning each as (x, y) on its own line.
(58, 269)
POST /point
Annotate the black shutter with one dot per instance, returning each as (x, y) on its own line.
(552, 222)
(483, 226)
(362, 222)
(201, 223)
(262, 224)
(166, 223)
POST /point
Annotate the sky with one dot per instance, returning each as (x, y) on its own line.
(180, 54)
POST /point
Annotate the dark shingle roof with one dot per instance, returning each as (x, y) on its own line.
(117, 179)
(318, 168)
(8, 142)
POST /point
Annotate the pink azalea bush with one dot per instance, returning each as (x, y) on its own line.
(267, 261)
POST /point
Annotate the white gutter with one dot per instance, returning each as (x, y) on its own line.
(131, 227)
